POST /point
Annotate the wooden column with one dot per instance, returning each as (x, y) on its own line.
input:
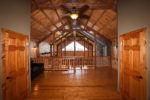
(74, 44)
(92, 51)
(95, 48)
(84, 48)
(51, 50)
(65, 44)
(88, 47)
(54, 44)
(61, 46)
(37, 50)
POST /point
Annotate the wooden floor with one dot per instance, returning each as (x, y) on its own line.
(97, 84)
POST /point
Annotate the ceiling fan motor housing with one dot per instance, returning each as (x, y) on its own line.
(74, 9)
(73, 1)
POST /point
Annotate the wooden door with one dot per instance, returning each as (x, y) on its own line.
(133, 52)
(14, 65)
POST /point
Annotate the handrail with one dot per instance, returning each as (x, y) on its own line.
(69, 62)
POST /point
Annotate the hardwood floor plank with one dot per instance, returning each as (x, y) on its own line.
(97, 84)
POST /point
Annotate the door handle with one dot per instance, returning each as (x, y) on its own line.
(8, 77)
(139, 77)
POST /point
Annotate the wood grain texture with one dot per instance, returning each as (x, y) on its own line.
(15, 65)
(97, 84)
(133, 65)
(102, 19)
(73, 62)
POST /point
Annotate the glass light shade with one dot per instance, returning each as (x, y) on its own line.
(74, 16)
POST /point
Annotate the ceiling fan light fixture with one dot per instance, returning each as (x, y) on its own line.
(74, 16)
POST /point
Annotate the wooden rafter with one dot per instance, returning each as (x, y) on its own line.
(56, 12)
(53, 32)
(36, 31)
(71, 30)
(98, 18)
(69, 33)
(81, 39)
(104, 26)
(45, 27)
(44, 14)
(61, 37)
(98, 5)
(97, 33)
(89, 16)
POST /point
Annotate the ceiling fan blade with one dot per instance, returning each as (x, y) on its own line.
(84, 16)
(83, 8)
(66, 8)
(64, 15)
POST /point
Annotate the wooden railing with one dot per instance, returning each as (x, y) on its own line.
(71, 62)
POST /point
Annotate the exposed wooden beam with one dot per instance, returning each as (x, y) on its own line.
(74, 35)
(65, 45)
(81, 39)
(56, 12)
(97, 33)
(62, 37)
(91, 13)
(104, 26)
(98, 18)
(57, 40)
(53, 32)
(44, 14)
(89, 16)
(45, 27)
(71, 30)
(98, 5)
(95, 47)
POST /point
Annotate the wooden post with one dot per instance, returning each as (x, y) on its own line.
(65, 45)
(95, 48)
(84, 48)
(51, 50)
(61, 47)
(74, 50)
(74, 44)
(37, 50)
(54, 44)
(92, 51)
(88, 48)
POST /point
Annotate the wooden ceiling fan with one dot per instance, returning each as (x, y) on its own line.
(75, 12)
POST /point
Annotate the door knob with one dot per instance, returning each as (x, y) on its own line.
(139, 77)
(8, 77)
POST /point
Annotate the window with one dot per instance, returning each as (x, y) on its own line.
(70, 47)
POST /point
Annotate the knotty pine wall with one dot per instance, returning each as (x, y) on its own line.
(133, 15)
(33, 50)
(14, 15)
(114, 54)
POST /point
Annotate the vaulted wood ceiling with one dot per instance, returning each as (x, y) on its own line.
(46, 18)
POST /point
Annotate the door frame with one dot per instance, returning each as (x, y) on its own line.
(135, 31)
(3, 36)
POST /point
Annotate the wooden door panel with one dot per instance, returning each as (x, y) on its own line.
(133, 66)
(15, 65)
